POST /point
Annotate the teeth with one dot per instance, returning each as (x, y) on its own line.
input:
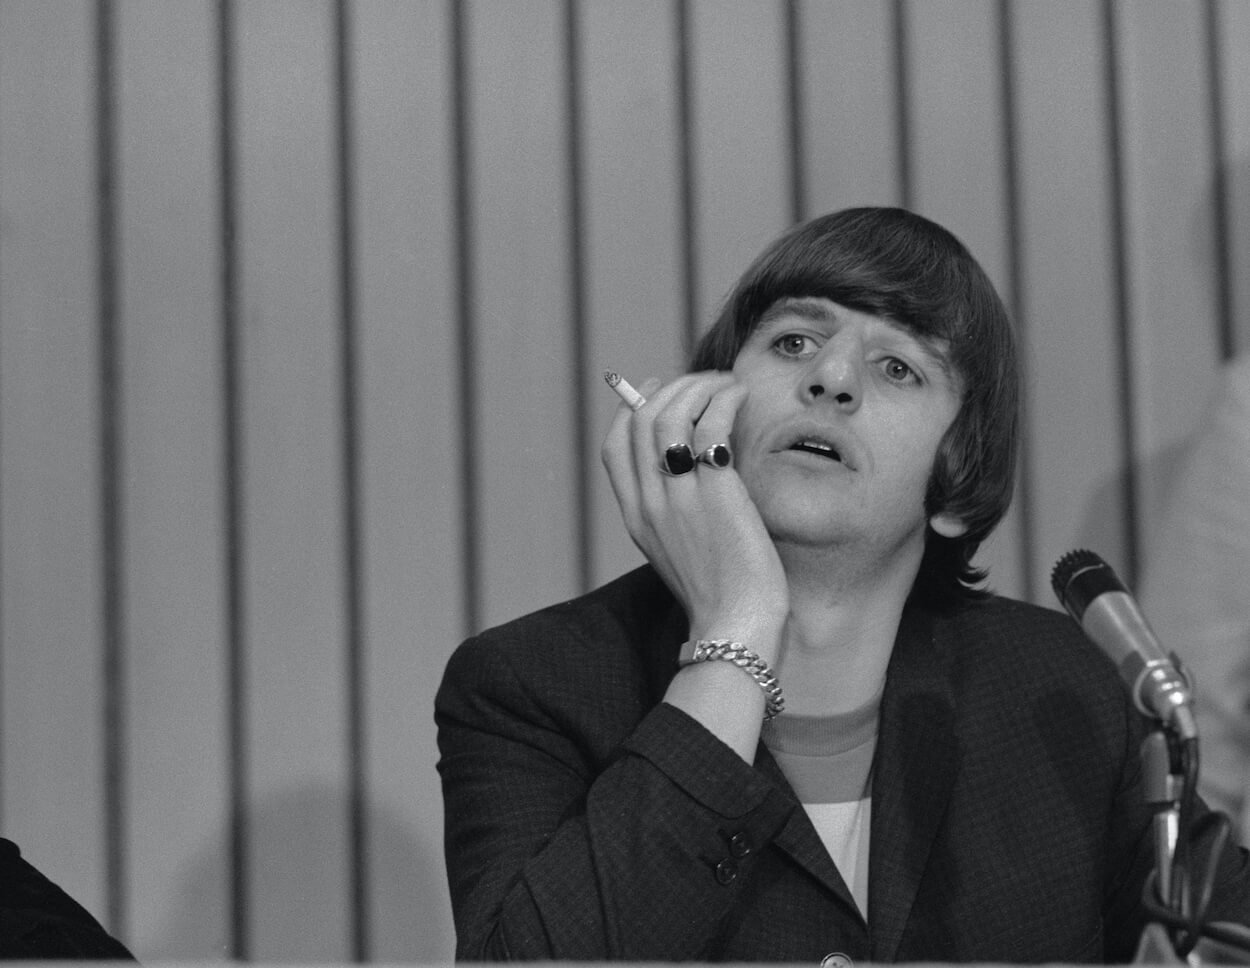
(817, 446)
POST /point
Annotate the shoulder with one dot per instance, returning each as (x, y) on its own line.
(1036, 700)
(606, 653)
(622, 614)
(1010, 630)
(1004, 646)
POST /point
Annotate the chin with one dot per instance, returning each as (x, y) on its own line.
(816, 528)
(824, 527)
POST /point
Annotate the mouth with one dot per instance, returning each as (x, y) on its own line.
(819, 447)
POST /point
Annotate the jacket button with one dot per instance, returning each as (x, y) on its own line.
(740, 844)
(836, 959)
(726, 871)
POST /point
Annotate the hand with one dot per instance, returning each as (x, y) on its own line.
(700, 530)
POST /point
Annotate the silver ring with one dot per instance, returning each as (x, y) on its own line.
(718, 456)
(678, 460)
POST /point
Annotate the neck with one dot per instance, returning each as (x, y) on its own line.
(841, 628)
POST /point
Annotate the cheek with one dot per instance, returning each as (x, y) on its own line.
(746, 423)
(740, 443)
(913, 459)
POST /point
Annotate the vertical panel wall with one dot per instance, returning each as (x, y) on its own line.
(1169, 176)
(1068, 294)
(304, 307)
(520, 311)
(850, 113)
(51, 700)
(411, 440)
(1231, 21)
(295, 697)
(742, 160)
(176, 698)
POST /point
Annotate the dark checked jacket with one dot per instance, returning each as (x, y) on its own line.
(40, 922)
(586, 819)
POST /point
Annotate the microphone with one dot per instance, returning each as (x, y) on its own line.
(1111, 618)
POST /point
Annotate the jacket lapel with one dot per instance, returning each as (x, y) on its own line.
(799, 839)
(914, 770)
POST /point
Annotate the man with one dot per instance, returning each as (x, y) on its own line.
(40, 922)
(892, 765)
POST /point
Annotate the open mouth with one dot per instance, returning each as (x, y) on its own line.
(818, 447)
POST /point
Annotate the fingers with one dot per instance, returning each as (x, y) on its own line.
(715, 425)
(617, 456)
(696, 410)
(677, 412)
(700, 530)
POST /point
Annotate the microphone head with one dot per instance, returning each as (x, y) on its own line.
(1081, 576)
(1117, 626)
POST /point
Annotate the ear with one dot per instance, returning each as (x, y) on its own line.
(947, 525)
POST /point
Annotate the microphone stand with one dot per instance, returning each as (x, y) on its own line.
(1164, 785)
(1163, 782)
(1161, 787)
(1161, 690)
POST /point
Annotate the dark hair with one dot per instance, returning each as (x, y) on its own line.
(895, 264)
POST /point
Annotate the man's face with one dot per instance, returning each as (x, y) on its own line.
(836, 439)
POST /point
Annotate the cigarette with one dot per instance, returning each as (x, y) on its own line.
(623, 390)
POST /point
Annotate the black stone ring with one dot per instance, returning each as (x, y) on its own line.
(718, 456)
(678, 460)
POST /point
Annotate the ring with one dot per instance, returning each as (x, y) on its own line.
(678, 460)
(718, 456)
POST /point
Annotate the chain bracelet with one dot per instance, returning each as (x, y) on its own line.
(749, 662)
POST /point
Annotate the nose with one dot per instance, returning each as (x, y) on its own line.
(835, 374)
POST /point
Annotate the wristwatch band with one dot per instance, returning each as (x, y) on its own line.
(705, 650)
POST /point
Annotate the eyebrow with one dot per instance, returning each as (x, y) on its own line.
(805, 307)
(820, 310)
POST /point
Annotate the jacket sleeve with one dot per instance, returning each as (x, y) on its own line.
(556, 850)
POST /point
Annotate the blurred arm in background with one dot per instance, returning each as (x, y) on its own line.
(1197, 590)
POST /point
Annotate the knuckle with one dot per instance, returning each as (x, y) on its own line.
(670, 427)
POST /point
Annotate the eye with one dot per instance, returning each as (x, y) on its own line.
(795, 345)
(898, 371)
